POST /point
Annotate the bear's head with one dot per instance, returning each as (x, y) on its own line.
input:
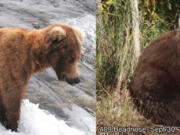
(64, 51)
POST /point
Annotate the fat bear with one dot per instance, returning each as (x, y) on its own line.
(155, 84)
(24, 52)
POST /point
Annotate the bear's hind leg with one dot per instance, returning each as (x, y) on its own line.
(152, 83)
(152, 90)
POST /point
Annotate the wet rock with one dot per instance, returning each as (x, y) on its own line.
(74, 104)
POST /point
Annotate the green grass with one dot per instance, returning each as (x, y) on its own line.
(116, 62)
(114, 49)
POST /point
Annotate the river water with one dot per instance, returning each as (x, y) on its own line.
(73, 105)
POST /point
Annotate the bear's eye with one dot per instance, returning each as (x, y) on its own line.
(71, 60)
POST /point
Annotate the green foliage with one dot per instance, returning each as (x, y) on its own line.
(115, 54)
(114, 49)
(157, 17)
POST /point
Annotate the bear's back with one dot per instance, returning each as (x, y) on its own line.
(10, 35)
(162, 50)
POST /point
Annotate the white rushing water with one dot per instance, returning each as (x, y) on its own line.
(35, 121)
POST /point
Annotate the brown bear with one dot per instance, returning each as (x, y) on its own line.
(155, 84)
(24, 52)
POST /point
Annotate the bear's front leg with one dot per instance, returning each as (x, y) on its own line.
(3, 119)
(12, 120)
(11, 94)
(12, 107)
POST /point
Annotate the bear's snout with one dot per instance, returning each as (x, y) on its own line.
(73, 81)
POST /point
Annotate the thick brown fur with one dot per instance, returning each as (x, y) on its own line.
(155, 84)
(24, 52)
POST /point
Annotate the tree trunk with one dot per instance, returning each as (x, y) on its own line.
(179, 22)
(98, 4)
(135, 21)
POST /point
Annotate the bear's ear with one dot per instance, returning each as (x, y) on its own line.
(79, 34)
(56, 34)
